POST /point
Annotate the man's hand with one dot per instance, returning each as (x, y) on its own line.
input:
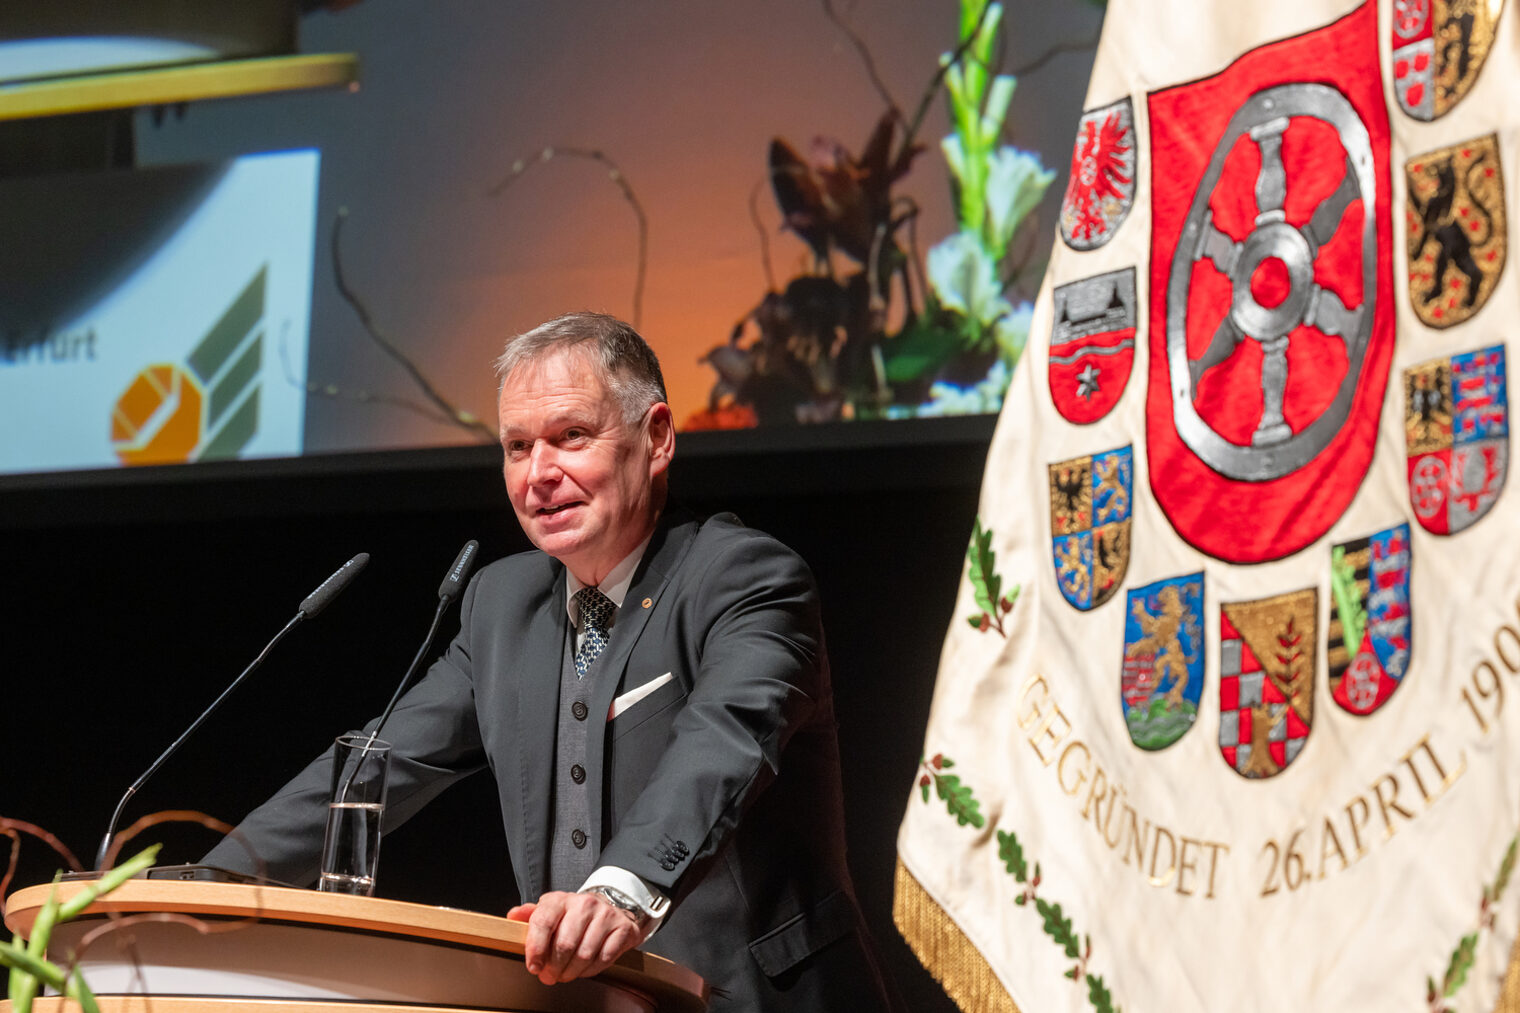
(574, 935)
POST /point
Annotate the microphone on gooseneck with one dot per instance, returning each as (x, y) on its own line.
(330, 588)
(313, 603)
(454, 580)
(453, 583)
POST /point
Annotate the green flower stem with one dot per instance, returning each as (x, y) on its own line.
(30, 969)
(36, 969)
(111, 880)
(24, 985)
(80, 993)
(978, 116)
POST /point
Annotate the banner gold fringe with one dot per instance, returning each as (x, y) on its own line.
(967, 979)
(942, 948)
(1509, 994)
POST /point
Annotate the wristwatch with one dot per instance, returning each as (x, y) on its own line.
(623, 902)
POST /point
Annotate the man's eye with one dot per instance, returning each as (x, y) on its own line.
(575, 434)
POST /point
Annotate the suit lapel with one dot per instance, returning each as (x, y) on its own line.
(666, 550)
(541, 655)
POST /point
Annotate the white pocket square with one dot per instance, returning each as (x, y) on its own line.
(636, 694)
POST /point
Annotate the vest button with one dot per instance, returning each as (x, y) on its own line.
(578, 774)
(580, 710)
(578, 837)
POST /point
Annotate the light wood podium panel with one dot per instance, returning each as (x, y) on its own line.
(199, 947)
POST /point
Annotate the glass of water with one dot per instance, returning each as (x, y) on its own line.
(351, 847)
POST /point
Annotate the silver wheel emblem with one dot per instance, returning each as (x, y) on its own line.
(1275, 450)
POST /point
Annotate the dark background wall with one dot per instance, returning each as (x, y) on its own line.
(130, 602)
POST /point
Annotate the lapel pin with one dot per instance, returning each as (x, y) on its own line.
(648, 602)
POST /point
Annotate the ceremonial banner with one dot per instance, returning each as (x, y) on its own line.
(1221, 721)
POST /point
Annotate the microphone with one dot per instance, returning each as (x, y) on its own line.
(313, 603)
(453, 581)
(332, 586)
(453, 584)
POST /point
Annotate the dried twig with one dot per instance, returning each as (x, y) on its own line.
(866, 58)
(13, 829)
(927, 98)
(118, 921)
(914, 266)
(1074, 46)
(336, 393)
(614, 173)
(455, 416)
(154, 819)
(945, 63)
(765, 239)
(877, 302)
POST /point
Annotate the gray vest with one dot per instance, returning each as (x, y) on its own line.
(572, 854)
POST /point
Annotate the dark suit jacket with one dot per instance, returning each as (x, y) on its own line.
(721, 788)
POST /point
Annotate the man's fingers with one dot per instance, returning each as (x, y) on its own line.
(543, 923)
(624, 937)
(521, 912)
(574, 936)
(612, 933)
(569, 934)
(609, 932)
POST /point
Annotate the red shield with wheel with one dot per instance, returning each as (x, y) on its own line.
(1271, 324)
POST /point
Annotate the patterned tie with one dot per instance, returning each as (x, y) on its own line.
(595, 609)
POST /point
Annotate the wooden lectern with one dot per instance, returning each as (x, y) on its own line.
(263, 949)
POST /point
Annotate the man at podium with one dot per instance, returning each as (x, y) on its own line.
(650, 690)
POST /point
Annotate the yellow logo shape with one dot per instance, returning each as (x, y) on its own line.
(157, 419)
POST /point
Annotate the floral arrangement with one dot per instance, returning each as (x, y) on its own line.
(861, 333)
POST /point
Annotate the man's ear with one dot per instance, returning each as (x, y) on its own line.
(662, 438)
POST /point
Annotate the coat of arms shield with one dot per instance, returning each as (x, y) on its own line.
(1369, 640)
(1102, 184)
(1456, 230)
(1271, 323)
(1456, 428)
(1092, 344)
(1266, 681)
(1438, 47)
(1090, 525)
(1161, 681)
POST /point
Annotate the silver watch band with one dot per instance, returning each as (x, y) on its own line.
(622, 902)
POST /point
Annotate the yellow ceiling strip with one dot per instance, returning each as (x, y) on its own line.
(129, 89)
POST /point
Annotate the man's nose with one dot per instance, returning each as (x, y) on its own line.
(543, 463)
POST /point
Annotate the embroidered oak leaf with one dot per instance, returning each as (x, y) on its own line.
(986, 584)
(1463, 956)
(1097, 994)
(1461, 962)
(1506, 869)
(1348, 602)
(1055, 923)
(1078, 971)
(1012, 855)
(959, 800)
(984, 578)
(957, 797)
(1057, 927)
